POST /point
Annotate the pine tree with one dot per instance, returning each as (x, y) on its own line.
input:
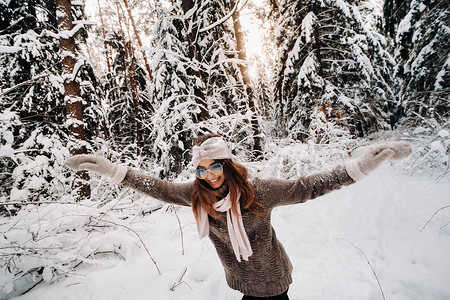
(263, 90)
(423, 56)
(32, 104)
(129, 105)
(330, 58)
(177, 110)
(72, 93)
(393, 12)
(245, 73)
(198, 86)
(226, 92)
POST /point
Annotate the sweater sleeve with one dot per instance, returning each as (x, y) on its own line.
(277, 192)
(170, 192)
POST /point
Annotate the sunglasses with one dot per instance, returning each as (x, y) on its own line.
(215, 169)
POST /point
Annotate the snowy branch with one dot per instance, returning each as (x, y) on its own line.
(8, 90)
(223, 20)
(40, 202)
(10, 49)
(65, 34)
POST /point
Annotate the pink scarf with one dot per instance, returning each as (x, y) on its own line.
(238, 236)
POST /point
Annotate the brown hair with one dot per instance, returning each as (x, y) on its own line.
(237, 180)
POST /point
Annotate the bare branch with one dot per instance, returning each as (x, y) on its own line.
(447, 206)
(138, 236)
(370, 265)
(180, 281)
(172, 208)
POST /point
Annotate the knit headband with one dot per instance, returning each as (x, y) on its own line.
(212, 148)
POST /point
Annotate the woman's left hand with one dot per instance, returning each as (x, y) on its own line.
(373, 157)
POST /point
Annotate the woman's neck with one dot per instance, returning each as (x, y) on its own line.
(223, 190)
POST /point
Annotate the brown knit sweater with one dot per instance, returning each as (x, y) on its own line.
(268, 271)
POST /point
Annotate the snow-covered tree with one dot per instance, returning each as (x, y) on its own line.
(177, 110)
(198, 86)
(226, 92)
(423, 56)
(32, 104)
(263, 90)
(330, 57)
(127, 99)
(393, 12)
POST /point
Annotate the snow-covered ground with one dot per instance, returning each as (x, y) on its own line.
(377, 236)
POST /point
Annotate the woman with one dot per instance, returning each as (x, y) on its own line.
(235, 211)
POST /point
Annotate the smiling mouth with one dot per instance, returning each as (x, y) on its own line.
(214, 181)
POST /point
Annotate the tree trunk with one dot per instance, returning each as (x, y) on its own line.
(129, 57)
(108, 63)
(109, 77)
(195, 55)
(243, 66)
(317, 41)
(74, 106)
(136, 33)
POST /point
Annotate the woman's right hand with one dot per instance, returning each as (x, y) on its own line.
(97, 164)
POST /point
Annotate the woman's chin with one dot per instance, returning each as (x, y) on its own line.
(216, 184)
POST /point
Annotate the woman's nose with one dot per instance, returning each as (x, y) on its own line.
(210, 175)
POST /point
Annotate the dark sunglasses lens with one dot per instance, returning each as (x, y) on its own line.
(201, 173)
(216, 169)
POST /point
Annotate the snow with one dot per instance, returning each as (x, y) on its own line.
(67, 34)
(85, 22)
(80, 3)
(307, 70)
(6, 150)
(9, 49)
(404, 26)
(389, 221)
(417, 66)
(17, 195)
(307, 27)
(218, 22)
(348, 102)
(440, 77)
(443, 133)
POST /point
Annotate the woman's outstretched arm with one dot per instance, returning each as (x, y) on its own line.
(170, 192)
(174, 193)
(276, 192)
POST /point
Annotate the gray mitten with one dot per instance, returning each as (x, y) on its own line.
(372, 158)
(97, 164)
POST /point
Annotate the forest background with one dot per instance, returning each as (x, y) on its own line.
(137, 81)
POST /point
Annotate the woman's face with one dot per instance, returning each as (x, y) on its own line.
(215, 181)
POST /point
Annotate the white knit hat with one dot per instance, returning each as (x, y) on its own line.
(212, 148)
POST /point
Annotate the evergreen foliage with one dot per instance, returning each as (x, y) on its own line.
(128, 102)
(177, 110)
(331, 58)
(393, 12)
(32, 105)
(177, 119)
(423, 60)
(226, 94)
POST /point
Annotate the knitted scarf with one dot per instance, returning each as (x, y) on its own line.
(238, 236)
